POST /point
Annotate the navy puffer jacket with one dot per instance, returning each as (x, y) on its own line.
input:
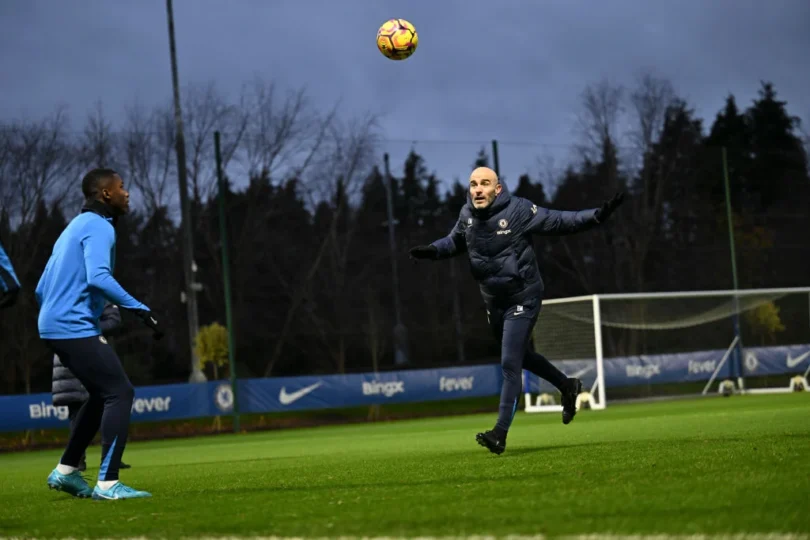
(498, 240)
(65, 387)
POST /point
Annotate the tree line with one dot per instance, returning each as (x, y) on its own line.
(308, 224)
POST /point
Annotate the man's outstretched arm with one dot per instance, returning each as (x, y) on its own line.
(97, 246)
(559, 222)
(451, 245)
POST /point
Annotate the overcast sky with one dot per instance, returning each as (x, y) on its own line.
(511, 70)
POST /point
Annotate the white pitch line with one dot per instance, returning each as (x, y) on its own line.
(595, 536)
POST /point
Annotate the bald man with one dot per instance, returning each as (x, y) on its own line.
(495, 229)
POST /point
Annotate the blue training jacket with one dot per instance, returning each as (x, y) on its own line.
(77, 281)
(9, 284)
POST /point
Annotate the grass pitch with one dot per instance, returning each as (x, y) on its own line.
(711, 467)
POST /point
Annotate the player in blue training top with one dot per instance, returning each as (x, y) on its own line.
(72, 292)
(9, 284)
(495, 228)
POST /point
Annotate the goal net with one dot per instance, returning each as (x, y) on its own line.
(662, 345)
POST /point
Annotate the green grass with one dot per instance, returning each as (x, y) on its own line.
(711, 466)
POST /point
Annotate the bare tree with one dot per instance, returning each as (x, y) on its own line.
(148, 150)
(598, 123)
(282, 134)
(39, 160)
(278, 139)
(6, 170)
(649, 100)
(98, 145)
(604, 107)
(38, 171)
(341, 169)
(207, 111)
(652, 100)
(548, 173)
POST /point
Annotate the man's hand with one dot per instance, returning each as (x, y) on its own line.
(149, 320)
(609, 207)
(424, 252)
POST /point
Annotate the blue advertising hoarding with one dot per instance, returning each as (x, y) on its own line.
(679, 368)
(179, 401)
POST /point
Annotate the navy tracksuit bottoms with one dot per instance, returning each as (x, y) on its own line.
(99, 369)
(512, 328)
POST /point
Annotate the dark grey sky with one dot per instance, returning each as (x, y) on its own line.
(514, 73)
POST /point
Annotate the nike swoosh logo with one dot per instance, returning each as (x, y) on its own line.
(793, 362)
(286, 398)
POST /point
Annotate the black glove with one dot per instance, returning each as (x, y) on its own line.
(149, 320)
(424, 252)
(603, 213)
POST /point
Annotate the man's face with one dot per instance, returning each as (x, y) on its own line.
(483, 189)
(115, 195)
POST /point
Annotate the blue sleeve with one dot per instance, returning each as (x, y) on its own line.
(8, 279)
(97, 245)
(453, 244)
(545, 221)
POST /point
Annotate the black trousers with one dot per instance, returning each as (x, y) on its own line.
(512, 328)
(99, 369)
(73, 414)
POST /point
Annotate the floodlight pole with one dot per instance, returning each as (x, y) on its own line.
(189, 267)
(226, 278)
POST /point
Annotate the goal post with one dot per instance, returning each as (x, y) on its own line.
(569, 333)
(667, 344)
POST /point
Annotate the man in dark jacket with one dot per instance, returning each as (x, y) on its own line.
(495, 229)
(68, 391)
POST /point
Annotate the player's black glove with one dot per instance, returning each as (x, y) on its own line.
(603, 213)
(424, 252)
(149, 320)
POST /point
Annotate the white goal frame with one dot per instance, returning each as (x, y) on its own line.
(595, 397)
(598, 387)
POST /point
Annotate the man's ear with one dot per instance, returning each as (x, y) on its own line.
(498, 188)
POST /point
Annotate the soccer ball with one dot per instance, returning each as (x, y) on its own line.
(397, 39)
